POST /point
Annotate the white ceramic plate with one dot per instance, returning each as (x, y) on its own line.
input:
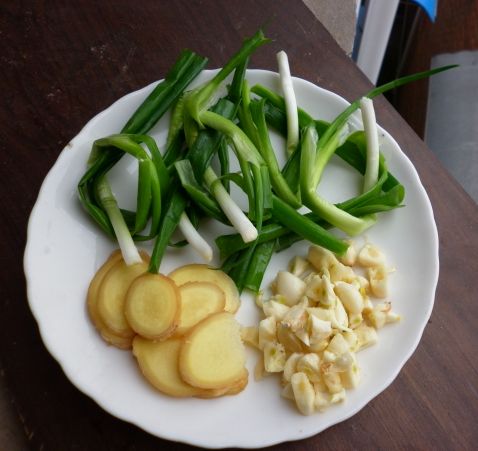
(65, 249)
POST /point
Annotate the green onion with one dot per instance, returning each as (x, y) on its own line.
(231, 244)
(371, 134)
(258, 264)
(278, 182)
(196, 192)
(199, 100)
(176, 190)
(279, 102)
(290, 102)
(176, 204)
(208, 141)
(186, 69)
(306, 228)
(245, 118)
(250, 162)
(194, 238)
(235, 215)
(125, 241)
(310, 171)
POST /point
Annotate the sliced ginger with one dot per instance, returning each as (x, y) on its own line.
(213, 355)
(204, 273)
(152, 306)
(234, 389)
(185, 343)
(111, 295)
(158, 362)
(92, 298)
(198, 300)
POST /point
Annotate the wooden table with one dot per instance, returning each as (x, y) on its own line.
(62, 62)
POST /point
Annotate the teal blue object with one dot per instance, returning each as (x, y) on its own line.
(430, 7)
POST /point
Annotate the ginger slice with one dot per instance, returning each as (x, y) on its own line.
(212, 355)
(91, 302)
(152, 306)
(158, 362)
(198, 300)
(204, 273)
(112, 292)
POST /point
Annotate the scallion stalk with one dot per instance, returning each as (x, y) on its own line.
(310, 171)
(371, 136)
(290, 102)
(232, 211)
(199, 100)
(306, 228)
(193, 237)
(278, 182)
(109, 203)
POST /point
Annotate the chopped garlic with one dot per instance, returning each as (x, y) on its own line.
(367, 305)
(295, 318)
(309, 364)
(351, 376)
(332, 381)
(352, 339)
(319, 346)
(371, 255)
(287, 392)
(321, 258)
(393, 317)
(338, 345)
(316, 321)
(342, 320)
(329, 356)
(319, 329)
(322, 400)
(259, 299)
(304, 394)
(355, 319)
(363, 284)
(267, 331)
(291, 287)
(321, 290)
(378, 276)
(350, 255)
(350, 297)
(344, 362)
(303, 336)
(299, 266)
(290, 366)
(321, 313)
(274, 357)
(338, 397)
(340, 272)
(366, 336)
(288, 338)
(275, 309)
(378, 316)
(250, 336)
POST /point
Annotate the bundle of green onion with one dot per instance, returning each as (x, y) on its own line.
(203, 127)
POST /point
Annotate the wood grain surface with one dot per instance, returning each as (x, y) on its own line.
(62, 63)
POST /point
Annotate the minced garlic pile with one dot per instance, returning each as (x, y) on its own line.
(323, 310)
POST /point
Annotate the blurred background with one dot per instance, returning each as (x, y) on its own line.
(392, 38)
